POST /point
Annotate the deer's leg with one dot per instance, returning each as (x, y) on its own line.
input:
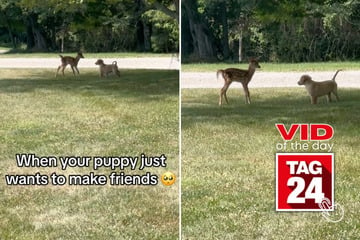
(57, 71)
(77, 69)
(247, 94)
(72, 68)
(313, 99)
(63, 69)
(223, 92)
(329, 97)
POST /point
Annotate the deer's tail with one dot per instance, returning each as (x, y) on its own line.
(220, 72)
(336, 74)
(61, 56)
(114, 63)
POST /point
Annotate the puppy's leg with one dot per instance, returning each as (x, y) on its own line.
(329, 97)
(336, 95)
(102, 69)
(313, 99)
(116, 70)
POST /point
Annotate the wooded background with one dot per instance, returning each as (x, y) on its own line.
(273, 30)
(90, 25)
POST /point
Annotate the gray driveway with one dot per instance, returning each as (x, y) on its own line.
(350, 79)
(125, 63)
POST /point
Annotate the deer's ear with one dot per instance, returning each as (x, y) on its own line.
(253, 59)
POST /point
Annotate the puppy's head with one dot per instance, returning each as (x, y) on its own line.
(304, 79)
(99, 62)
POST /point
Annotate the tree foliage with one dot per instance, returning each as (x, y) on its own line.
(277, 30)
(90, 25)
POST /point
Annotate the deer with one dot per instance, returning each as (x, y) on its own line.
(72, 61)
(237, 75)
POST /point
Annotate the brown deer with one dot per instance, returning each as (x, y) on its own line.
(73, 62)
(237, 75)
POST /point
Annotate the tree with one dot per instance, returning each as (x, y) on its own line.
(202, 43)
(93, 25)
(9, 18)
(163, 16)
(286, 30)
(168, 7)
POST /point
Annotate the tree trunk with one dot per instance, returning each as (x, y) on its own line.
(147, 37)
(35, 38)
(225, 32)
(240, 45)
(200, 34)
(29, 37)
(62, 43)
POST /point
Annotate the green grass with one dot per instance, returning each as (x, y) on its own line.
(4, 49)
(87, 55)
(274, 67)
(228, 164)
(88, 116)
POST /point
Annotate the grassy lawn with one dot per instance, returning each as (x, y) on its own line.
(88, 116)
(228, 164)
(274, 67)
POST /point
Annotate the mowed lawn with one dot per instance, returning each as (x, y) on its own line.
(88, 116)
(228, 164)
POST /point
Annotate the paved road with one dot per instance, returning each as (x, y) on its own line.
(349, 79)
(126, 63)
(261, 79)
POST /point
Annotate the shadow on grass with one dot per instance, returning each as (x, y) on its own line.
(141, 84)
(285, 105)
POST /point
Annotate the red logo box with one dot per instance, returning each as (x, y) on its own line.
(304, 180)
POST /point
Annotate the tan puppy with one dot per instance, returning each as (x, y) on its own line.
(106, 69)
(318, 89)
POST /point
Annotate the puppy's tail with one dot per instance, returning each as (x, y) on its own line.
(114, 63)
(336, 74)
(61, 56)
